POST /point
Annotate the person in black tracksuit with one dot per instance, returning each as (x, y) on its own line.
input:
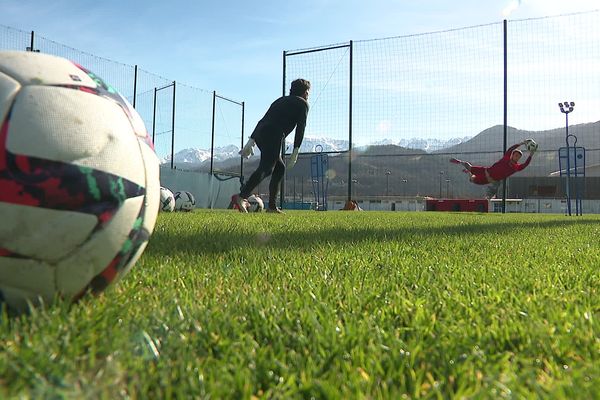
(284, 114)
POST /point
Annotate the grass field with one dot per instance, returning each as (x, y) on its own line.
(329, 305)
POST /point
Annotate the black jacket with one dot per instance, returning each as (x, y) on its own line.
(280, 119)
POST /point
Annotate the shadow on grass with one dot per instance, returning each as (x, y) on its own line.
(166, 243)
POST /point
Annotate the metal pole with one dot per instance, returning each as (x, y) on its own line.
(212, 133)
(576, 181)
(242, 144)
(505, 144)
(32, 41)
(154, 119)
(135, 70)
(282, 187)
(284, 74)
(350, 129)
(173, 129)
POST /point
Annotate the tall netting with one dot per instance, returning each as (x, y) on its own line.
(328, 124)
(154, 103)
(14, 39)
(163, 129)
(416, 97)
(328, 70)
(552, 60)
(228, 117)
(192, 127)
(120, 76)
(178, 116)
(416, 101)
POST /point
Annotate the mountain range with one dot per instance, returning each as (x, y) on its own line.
(416, 167)
(191, 158)
(199, 156)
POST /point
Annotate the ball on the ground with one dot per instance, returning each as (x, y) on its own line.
(79, 181)
(184, 201)
(256, 203)
(167, 200)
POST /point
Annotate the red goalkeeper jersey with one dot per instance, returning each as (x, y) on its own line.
(504, 168)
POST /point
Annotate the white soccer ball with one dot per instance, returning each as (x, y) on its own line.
(167, 200)
(184, 201)
(79, 181)
(531, 145)
(256, 203)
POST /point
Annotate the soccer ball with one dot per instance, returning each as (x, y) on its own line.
(256, 203)
(531, 145)
(79, 181)
(184, 201)
(167, 200)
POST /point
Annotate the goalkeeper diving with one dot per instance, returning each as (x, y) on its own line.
(501, 169)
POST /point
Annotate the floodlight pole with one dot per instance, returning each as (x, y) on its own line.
(566, 108)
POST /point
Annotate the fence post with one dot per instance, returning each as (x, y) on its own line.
(212, 134)
(31, 43)
(242, 144)
(173, 128)
(282, 185)
(154, 118)
(134, 83)
(350, 129)
(505, 144)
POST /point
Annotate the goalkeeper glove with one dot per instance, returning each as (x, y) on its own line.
(248, 149)
(293, 158)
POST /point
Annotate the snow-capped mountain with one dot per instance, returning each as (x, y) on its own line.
(315, 145)
(334, 145)
(310, 145)
(428, 145)
(198, 156)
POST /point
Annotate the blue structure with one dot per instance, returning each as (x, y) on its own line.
(319, 164)
(571, 160)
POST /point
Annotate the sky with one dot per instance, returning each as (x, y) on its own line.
(235, 47)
